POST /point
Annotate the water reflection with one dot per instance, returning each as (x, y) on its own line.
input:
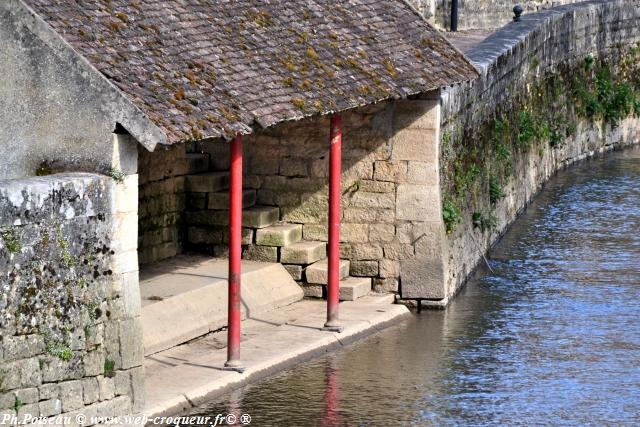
(551, 338)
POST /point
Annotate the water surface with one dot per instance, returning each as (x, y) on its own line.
(552, 337)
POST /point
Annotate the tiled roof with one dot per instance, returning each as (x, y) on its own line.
(212, 68)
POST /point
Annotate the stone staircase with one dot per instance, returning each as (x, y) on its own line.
(264, 237)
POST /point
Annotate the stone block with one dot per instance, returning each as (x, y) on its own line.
(385, 285)
(126, 196)
(48, 391)
(106, 388)
(260, 216)
(125, 262)
(398, 251)
(130, 334)
(315, 232)
(364, 268)
(90, 390)
(7, 400)
(354, 233)
(418, 203)
(122, 382)
(361, 251)
(50, 407)
(196, 201)
(22, 346)
(27, 395)
(209, 182)
(371, 186)
(423, 173)
(71, 395)
(313, 291)
(124, 232)
(353, 288)
(363, 199)
(94, 362)
(416, 114)
(260, 253)
(389, 268)
(294, 270)
(294, 166)
(32, 410)
(382, 233)
(369, 215)
(279, 235)
(423, 279)
(306, 252)
(137, 389)
(131, 294)
(197, 163)
(313, 209)
(318, 273)
(220, 200)
(390, 171)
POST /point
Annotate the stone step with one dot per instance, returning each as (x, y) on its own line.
(216, 235)
(194, 290)
(260, 216)
(279, 235)
(353, 288)
(254, 217)
(220, 200)
(317, 273)
(197, 163)
(209, 182)
(303, 253)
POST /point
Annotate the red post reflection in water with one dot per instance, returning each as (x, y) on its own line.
(331, 416)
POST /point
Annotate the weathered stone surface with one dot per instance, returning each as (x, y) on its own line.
(414, 144)
(220, 200)
(354, 233)
(313, 291)
(197, 163)
(389, 268)
(423, 278)
(48, 391)
(260, 216)
(122, 383)
(315, 232)
(22, 346)
(418, 203)
(209, 182)
(390, 171)
(260, 253)
(50, 407)
(353, 288)
(138, 390)
(364, 268)
(306, 252)
(385, 285)
(130, 333)
(90, 390)
(317, 273)
(279, 235)
(381, 233)
(27, 395)
(294, 270)
(106, 388)
(71, 395)
(361, 251)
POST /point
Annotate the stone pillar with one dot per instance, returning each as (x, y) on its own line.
(416, 141)
(125, 265)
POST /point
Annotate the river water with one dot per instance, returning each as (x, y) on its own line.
(552, 337)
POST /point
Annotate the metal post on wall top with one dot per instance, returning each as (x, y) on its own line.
(454, 15)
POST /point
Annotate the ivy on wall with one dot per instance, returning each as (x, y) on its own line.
(478, 161)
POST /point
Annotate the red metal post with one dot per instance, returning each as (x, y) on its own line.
(335, 169)
(235, 255)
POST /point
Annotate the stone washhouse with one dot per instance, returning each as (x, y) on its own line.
(115, 190)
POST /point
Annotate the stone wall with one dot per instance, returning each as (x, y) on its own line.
(389, 177)
(480, 14)
(70, 335)
(560, 86)
(162, 202)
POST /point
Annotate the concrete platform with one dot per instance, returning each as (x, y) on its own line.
(190, 374)
(186, 297)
